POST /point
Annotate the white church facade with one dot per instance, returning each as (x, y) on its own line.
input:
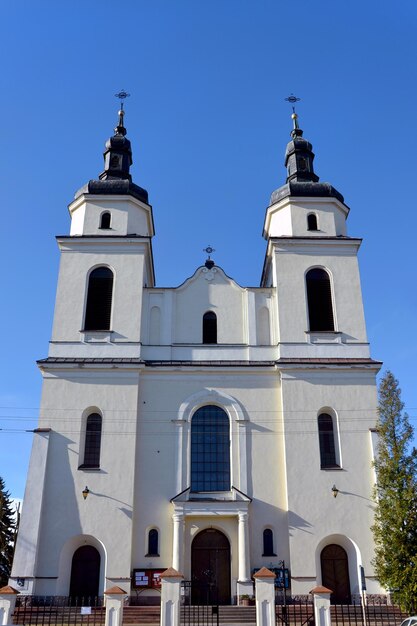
(209, 427)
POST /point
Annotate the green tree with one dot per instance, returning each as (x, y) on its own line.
(7, 533)
(395, 495)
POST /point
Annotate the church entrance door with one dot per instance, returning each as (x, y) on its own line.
(85, 573)
(335, 573)
(210, 568)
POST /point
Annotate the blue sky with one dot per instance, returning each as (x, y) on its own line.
(209, 125)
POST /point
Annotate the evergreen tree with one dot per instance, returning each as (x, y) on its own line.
(395, 525)
(7, 533)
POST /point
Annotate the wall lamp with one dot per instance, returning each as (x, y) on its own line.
(85, 492)
(335, 491)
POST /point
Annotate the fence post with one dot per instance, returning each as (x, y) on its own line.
(114, 599)
(321, 597)
(7, 604)
(171, 597)
(265, 597)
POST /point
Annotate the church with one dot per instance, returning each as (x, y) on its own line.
(209, 427)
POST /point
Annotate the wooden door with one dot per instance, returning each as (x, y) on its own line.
(335, 573)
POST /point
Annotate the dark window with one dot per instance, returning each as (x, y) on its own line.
(268, 543)
(326, 441)
(105, 220)
(99, 298)
(209, 327)
(319, 297)
(153, 543)
(311, 222)
(210, 450)
(92, 441)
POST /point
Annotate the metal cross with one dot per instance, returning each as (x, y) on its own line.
(209, 250)
(122, 95)
(292, 99)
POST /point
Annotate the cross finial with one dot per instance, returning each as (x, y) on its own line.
(209, 251)
(122, 95)
(292, 100)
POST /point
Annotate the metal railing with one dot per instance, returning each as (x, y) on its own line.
(59, 610)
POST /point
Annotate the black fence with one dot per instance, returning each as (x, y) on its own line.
(198, 604)
(59, 610)
(372, 613)
(293, 611)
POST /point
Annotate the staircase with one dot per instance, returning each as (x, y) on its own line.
(138, 615)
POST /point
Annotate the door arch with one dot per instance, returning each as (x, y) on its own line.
(335, 573)
(85, 573)
(210, 568)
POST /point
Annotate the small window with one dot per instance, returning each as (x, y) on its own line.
(153, 549)
(99, 299)
(319, 298)
(209, 327)
(105, 220)
(268, 538)
(312, 222)
(92, 441)
(327, 441)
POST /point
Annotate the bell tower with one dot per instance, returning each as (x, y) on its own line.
(106, 261)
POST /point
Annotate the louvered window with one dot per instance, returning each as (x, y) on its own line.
(319, 297)
(92, 441)
(210, 450)
(312, 222)
(209, 327)
(153, 543)
(105, 220)
(268, 541)
(99, 299)
(326, 441)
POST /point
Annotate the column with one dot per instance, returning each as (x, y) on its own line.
(178, 542)
(244, 565)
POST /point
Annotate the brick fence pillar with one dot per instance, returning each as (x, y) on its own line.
(7, 603)
(170, 597)
(321, 597)
(265, 597)
(115, 598)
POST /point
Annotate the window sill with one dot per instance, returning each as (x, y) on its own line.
(89, 468)
(270, 554)
(96, 336)
(151, 554)
(331, 468)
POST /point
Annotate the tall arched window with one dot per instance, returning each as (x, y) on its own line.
(105, 220)
(99, 299)
(92, 441)
(319, 298)
(153, 543)
(327, 441)
(268, 541)
(210, 327)
(210, 450)
(312, 221)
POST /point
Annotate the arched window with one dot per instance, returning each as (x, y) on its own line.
(92, 441)
(153, 543)
(319, 298)
(210, 327)
(210, 450)
(312, 221)
(105, 220)
(99, 299)
(268, 540)
(327, 441)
